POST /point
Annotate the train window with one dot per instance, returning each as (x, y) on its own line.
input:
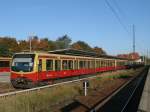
(93, 64)
(49, 64)
(70, 64)
(106, 63)
(88, 64)
(82, 64)
(102, 63)
(109, 63)
(76, 64)
(4, 63)
(113, 63)
(97, 64)
(64, 65)
(57, 65)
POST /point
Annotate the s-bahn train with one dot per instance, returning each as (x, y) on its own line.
(30, 69)
(5, 63)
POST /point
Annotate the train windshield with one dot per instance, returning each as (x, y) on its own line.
(23, 62)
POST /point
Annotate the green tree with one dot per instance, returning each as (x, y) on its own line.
(10, 43)
(81, 45)
(51, 45)
(35, 43)
(43, 44)
(23, 45)
(99, 51)
(4, 51)
(63, 42)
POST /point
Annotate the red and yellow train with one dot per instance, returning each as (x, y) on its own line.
(30, 69)
(5, 63)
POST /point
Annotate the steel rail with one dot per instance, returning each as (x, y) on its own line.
(96, 108)
(129, 99)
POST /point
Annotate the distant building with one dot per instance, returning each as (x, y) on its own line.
(134, 56)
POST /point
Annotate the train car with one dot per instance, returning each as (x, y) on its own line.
(31, 69)
(5, 63)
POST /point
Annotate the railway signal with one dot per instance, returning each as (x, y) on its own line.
(85, 86)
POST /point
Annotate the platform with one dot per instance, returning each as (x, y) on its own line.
(144, 105)
(5, 77)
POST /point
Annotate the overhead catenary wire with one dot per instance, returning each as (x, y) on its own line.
(120, 11)
(117, 16)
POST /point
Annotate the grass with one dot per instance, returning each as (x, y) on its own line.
(39, 101)
(42, 101)
(119, 76)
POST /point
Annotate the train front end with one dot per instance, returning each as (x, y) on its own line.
(23, 70)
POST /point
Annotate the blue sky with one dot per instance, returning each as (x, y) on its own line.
(91, 21)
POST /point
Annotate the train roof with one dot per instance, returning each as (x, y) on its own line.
(75, 52)
(5, 58)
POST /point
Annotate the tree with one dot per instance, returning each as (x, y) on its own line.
(43, 44)
(4, 51)
(63, 42)
(99, 51)
(51, 45)
(10, 43)
(76, 46)
(35, 43)
(23, 45)
(81, 45)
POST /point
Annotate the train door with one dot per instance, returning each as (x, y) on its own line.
(58, 67)
(40, 67)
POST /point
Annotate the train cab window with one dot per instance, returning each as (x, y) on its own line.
(57, 65)
(49, 64)
(64, 65)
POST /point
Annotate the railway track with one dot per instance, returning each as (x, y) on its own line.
(124, 99)
(127, 99)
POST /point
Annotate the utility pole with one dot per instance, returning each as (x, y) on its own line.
(133, 29)
(144, 59)
(31, 35)
(30, 39)
(147, 57)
